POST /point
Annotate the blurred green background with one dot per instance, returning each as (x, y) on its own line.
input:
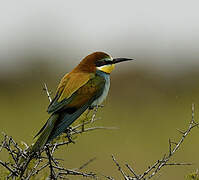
(149, 98)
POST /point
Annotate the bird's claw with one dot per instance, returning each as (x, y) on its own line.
(68, 135)
(96, 106)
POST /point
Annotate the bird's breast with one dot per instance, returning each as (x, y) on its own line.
(105, 91)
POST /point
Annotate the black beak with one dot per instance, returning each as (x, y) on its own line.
(118, 60)
(114, 61)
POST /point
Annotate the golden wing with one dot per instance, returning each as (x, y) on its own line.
(69, 84)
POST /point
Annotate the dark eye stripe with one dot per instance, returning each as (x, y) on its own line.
(102, 63)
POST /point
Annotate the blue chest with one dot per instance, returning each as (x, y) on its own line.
(100, 99)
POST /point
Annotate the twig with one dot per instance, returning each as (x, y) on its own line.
(178, 164)
(120, 169)
(86, 164)
(52, 173)
(151, 171)
(9, 169)
(56, 145)
(41, 168)
(92, 129)
(73, 172)
(109, 177)
(34, 169)
(131, 169)
(192, 124)
(47, 92)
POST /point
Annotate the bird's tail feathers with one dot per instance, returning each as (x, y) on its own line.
(45, 133)
(40, 142)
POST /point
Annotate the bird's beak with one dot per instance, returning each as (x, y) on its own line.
(118, 60)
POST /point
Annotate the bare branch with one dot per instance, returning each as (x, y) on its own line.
(178, 164)
(109, 177)
(120, 169)
(9, 169)
(151, 171)
(47, 92)
(64, 171)
(33, 171)
(165, 159)
(41, 168)
(86, 164)
(15, 166)
(52, 173)
(132, 171)
(20, 158)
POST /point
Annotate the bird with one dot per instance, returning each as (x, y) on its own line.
(85, 87)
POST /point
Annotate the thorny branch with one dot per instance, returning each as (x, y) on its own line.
(120, 169)
(153, 170)
(47, 92)
(16, 153)
(52, 173)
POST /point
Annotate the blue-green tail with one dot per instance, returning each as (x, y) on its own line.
(56, 125)
(45, 133)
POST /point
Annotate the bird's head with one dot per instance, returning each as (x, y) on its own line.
(101, 61)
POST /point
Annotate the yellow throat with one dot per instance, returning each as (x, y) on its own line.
(106, 68)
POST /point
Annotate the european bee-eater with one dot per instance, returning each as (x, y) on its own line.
(86, 86)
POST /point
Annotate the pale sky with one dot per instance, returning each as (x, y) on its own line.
(159, 32)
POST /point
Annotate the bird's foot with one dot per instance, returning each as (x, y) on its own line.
(68, 135)
(96, 106)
